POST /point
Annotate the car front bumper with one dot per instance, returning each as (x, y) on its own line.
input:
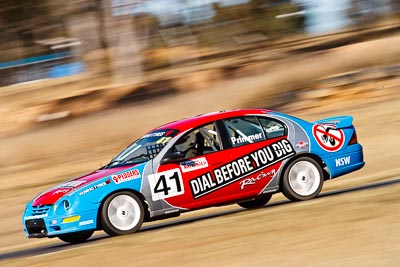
(51, 226)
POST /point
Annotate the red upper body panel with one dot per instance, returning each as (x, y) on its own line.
(188, 123)
(53, 194)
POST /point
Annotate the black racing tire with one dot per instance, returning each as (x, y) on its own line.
(77, 237)
(256, 203)
(122, 213)
(303, 179)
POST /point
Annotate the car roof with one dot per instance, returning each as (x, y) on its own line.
(189, 123)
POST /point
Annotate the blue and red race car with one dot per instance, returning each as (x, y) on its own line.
(238, 156)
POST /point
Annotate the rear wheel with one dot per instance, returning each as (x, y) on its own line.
(122, 214)
(77, 237)
(255, 203)
(302, 180)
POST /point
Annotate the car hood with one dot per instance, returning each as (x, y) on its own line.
(53, 194)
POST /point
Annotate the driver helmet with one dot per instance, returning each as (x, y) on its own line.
(186, 143)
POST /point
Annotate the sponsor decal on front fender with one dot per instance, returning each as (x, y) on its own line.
(87, 190)
(126, 176)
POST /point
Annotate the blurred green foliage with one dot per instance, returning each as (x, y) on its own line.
(21, 13)
(253, 17)
(19, 22)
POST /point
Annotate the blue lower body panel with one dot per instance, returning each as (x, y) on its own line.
(48, 226)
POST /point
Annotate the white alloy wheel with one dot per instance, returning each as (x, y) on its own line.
(304, 178)
(122, 213)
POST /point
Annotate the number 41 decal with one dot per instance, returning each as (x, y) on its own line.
(166, 184)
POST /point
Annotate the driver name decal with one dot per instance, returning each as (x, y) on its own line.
(126, 176)
(241, 167)
(246, 139)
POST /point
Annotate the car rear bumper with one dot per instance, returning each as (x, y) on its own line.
(345, 161)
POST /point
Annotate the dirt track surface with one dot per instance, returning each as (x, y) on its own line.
(353, 229)
(343, 230)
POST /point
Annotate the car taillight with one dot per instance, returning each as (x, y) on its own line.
(353, 139)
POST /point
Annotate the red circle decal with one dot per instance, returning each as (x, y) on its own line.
(328, 137)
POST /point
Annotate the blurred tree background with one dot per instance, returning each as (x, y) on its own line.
(107, 25)
(25, 21)
(20, 22)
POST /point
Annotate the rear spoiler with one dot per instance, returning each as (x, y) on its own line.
(338, 121)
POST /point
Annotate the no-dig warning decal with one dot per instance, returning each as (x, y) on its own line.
(328, 137)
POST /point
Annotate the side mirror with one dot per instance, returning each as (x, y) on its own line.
(172, 157)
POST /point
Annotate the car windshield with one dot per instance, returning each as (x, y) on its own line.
(144, 149)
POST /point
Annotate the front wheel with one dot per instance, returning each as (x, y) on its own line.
(77, 237)
(302, 179)
(122, 214)
(255, 203)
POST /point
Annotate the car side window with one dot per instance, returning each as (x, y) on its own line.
(200, 141)
(272, 128)
(244, 130)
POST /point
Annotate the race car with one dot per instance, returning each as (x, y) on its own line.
(214, 159)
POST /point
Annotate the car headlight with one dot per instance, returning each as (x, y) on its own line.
(67, 204)
(62, 207)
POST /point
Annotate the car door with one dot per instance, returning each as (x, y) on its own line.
(227, 161)
(258, 145)
(184, 182)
